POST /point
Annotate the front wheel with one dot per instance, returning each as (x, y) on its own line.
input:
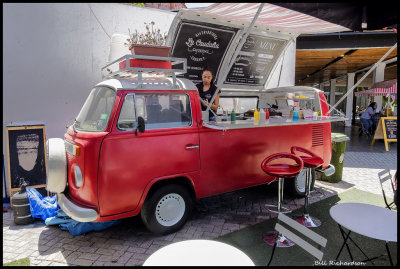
(167, 209)
(296, 186)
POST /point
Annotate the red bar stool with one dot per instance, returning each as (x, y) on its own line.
(280, 171)
(310, 160)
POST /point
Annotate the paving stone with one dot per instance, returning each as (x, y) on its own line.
(82, 262)
(125, 257)
(72, 256)
(132, 262)
(83, 243)
(70, 247)
(89, 256)
(98, 263)
(137, 249)
(9, 255)
(119, 247)
(105, 251)
(106, 258)
(58, 264)
(97, 239)
(44, 263)
(60, 257)
(87, 249)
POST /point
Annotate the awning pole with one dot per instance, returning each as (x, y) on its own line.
(239, 47)
(366, 74)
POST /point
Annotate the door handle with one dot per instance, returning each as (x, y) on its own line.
(192, 147)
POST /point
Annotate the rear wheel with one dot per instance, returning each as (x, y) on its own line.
(167, 209)
(296, 186)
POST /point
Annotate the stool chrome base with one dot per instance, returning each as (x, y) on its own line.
(282, 241)
(307, 220)
(317, 193)
(284, 210)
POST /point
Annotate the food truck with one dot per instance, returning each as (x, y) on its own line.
(142, 145)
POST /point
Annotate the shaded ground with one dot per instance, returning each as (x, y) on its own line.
(130, 243)
(249, 239)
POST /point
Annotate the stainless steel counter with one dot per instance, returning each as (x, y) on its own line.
(271, 122)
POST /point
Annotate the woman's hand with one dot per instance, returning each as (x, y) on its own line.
(204, 101)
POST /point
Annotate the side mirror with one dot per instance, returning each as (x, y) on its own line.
(140, 125)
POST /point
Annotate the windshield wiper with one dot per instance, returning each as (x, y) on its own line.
(77, 123)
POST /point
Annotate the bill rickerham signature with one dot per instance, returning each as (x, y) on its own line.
(338, 263)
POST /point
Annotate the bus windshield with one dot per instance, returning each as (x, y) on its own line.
(95, 113)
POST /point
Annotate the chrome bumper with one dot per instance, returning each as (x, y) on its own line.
(77, 213)
(330, 170)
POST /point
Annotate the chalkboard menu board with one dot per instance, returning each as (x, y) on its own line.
(26, 155)
(203, 46)
(386, 130)
(391, 128)
(255, 60)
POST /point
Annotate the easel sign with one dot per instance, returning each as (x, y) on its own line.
(26, 155)
(386, 130)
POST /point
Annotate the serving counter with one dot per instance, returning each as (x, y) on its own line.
(271, 122)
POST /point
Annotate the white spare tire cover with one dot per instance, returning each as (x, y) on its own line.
(56, 165)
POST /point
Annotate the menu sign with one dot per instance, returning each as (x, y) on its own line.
(255, 60)
(202, 46)
(391, 128)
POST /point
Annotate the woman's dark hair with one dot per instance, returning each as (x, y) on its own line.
(372, 104)
(209, 70)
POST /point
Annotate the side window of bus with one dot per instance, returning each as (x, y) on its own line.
(164, 110)
(127, 116)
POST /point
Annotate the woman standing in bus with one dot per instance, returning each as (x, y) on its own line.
(207, 90)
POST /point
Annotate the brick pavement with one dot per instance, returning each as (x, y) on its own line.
(130, 243)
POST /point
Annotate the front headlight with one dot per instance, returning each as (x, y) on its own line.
(78, 176)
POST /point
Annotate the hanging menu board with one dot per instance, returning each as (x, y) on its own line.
(203, 45)
(255, 60)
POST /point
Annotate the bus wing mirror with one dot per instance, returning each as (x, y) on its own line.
(140, 126)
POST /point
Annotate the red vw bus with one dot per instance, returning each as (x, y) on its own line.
(141, 145)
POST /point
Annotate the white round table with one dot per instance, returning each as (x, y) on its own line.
(367, 220)
(198, 253)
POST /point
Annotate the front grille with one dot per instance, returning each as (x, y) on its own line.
(317, 135)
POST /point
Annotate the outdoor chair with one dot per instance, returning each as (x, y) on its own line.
(385, 175)
(320, 241)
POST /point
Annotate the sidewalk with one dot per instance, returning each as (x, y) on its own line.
(130, 243)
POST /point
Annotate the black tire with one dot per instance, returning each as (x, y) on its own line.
(179, 203)
(295, 186)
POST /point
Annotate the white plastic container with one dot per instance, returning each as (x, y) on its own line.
(262, 115)
(117, 50)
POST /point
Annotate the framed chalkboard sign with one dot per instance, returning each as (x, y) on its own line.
(390, 128)
(203, 45)
(255, 60)
(26, 156)
(386, 130)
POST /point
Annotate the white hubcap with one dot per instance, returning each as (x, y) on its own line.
(170, 209)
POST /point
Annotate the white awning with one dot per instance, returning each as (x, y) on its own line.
(272, 17)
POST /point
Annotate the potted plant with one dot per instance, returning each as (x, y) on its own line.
(150, 43)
